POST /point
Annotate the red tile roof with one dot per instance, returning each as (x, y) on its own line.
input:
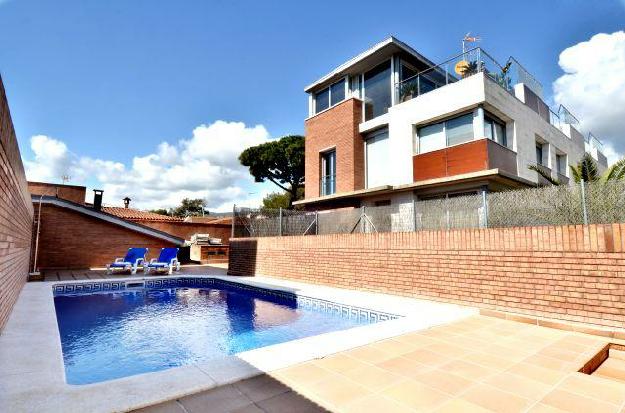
(138, 215)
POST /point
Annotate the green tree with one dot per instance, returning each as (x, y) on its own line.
(160, 211)
(277, 200)
(587, 170)
(189, 207)
(280, 161)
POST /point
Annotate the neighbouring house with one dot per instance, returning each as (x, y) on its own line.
(71, 233)
(389, 126)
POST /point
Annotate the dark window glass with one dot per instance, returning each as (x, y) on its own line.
(539, 154)
(378, 90)
(495, 131)
(328, 173)
(322, 100)
(337, 92)
(407, 72)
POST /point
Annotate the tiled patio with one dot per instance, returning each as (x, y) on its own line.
(480, 364)
(100, 273)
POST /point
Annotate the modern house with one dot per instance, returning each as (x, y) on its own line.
(390, 126)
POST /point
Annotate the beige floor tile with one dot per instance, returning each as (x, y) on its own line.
(468, 370)
(376, 403)
(394, 347)
(444, 381)
(449, 350)
(534, 372)
(544, 408)
(220, 400)
(560, 353)
(494, 399)
(336, 392)
(428, 357)
(596, 387)
(575, 403)
(167, 407)
(416, 395)
(461, 406)
(491, 361)
(305, 373)
(369, 354)
(551, 363)
(339, 362)
(417, 339)
(373, 378)
(288, 403)
(521, 386)
(612, 368)
(403, 366)
(261, 387)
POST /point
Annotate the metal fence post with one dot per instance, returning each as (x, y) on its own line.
(363, 214)
(584, 210)
(316, 222)
(414, 214)
(484, 208)
(234, 214)
(280, 223)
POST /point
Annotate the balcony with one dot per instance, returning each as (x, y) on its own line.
(462, 66)
(473, 156)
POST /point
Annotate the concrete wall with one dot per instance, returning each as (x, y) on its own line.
(16, 215)
(572, 273)
(71, 240)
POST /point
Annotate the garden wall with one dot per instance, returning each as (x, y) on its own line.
(16, 215)
(572, 273)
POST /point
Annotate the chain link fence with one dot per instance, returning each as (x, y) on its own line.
(590, 203)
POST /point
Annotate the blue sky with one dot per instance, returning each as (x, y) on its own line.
(111, 80)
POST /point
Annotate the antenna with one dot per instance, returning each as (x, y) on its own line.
(65, 178)
(469, 39)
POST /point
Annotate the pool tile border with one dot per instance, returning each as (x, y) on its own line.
(351, 312)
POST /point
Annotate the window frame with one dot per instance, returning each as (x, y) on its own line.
(345, 82)
(363, 97)
(444, 121)
(323, 155)
(495, 120)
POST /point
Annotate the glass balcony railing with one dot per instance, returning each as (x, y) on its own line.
(457, 68)
(327, 185)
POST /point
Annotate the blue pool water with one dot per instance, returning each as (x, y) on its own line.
(108, 335)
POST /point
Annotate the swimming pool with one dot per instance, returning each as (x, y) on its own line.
(112, 330)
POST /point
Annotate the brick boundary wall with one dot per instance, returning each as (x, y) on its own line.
(572, 273)
(16, 215)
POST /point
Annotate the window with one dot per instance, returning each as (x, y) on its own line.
(328, 173)
(407, 72)
(495, 130)
(322, 100)
(561, 164)
(459, 130)
(539, 153)
(376, 152)
(330, 96)
(378, 90)
(450, 132)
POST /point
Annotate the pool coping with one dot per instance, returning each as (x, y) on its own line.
(32, 374)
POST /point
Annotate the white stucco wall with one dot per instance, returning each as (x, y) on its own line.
(523, 125)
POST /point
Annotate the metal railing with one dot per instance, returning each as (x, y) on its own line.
(327, 185)
(585, 203)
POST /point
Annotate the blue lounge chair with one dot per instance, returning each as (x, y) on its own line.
(166, 261)
(134, 258)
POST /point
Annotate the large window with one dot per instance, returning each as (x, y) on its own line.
(447, 133)
(539, 153)
(495, 130)
(561, 164)
(328, 172)
(377, 90)
(376, 146)
(330, 96)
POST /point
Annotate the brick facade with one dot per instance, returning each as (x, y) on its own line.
(73, 193)
(71, 240)
(338, 128)
(16, 215)
(572, 273)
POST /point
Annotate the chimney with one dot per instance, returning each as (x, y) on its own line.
(97, 199)
(126, 202)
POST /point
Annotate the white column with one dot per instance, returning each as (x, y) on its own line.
(478, 123)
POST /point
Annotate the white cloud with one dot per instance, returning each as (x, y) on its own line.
(204, 166)
(593, 88)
